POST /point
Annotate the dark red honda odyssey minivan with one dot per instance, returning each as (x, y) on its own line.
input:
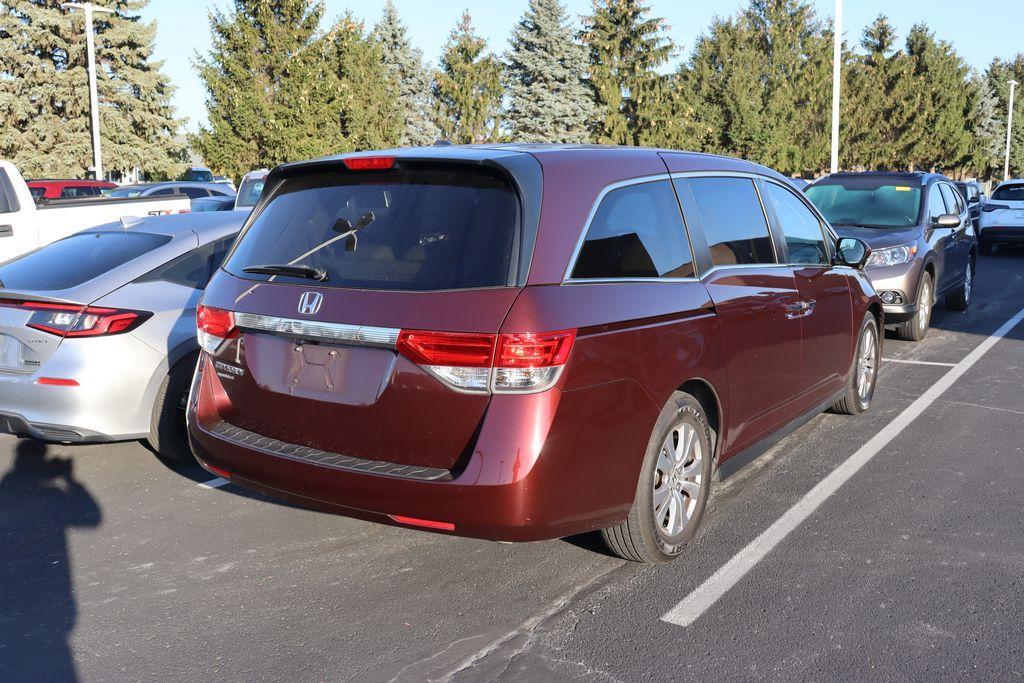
(525, 342)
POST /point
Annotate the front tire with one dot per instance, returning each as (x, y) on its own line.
(168, 436)
(860, 385)
(673, 488)
(916, 328)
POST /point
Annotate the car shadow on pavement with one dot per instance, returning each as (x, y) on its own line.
(40, 500)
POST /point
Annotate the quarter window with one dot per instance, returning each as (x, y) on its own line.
(801, 228)
(636, 232)
(734, 221)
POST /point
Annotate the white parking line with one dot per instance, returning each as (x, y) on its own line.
(213, 483)
(918, 362)
(719, 583)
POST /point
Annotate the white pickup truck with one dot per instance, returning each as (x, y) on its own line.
(25, 226)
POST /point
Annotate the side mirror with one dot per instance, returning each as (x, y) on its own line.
(852, 252)
(947, 220)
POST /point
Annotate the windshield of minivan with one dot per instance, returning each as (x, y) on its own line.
(869, 202)
(419, 229)
(77, 259)
(1009, 193)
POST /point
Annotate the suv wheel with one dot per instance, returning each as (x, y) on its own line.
(860, 387)
(168, 436)
(917, 327)
(961, 299)
(673, 488)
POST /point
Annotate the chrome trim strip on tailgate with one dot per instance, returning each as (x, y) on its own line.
(244, 437)
(360, 335)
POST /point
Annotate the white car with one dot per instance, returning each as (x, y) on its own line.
(25, 226)
(1002, 216)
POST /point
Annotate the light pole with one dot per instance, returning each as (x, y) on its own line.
(94, 107)
(1009, 131)
(837, 72)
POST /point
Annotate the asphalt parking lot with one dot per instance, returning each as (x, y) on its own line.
(113, 565)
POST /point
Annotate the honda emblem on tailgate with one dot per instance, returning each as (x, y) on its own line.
(309, 302)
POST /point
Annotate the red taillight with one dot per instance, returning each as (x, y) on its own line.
(216, 322)
(425, 523)
(511, 362)
(368, 163)
(72, 320)
(453, 349)
(534, 350)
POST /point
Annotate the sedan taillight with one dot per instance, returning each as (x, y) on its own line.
(72, 320)
(502, 363)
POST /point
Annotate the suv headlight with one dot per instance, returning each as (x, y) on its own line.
(893, 256)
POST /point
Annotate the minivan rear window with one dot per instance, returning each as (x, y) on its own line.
(77, 259)
(411, 229)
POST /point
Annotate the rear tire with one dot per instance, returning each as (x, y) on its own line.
(860, 385)
(673, 488)
(916, 328)
(985, 247)
(168, 436)
(960, 300)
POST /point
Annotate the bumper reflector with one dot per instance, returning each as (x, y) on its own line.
(218, 471)
(57, 382)
(425, 523)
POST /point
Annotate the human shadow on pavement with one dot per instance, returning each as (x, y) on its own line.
(40, 500)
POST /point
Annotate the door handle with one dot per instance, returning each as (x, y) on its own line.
(6, 231)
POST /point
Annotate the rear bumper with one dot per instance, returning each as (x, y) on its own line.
(13, 423)
(534, 473)
(997, 234)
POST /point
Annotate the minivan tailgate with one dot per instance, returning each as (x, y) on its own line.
(311, 381)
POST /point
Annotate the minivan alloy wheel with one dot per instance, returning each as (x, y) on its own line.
(867, 362)
(677, 481)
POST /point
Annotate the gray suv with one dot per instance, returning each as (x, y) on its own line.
(923, 242)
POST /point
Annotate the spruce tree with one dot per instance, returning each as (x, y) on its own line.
(267, 98)
(44, 96)
(412, 80)
(467, 90)
(545, 67)
(998, 75)
(626, 48)
(987, 129)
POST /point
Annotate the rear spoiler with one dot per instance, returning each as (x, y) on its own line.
(16, 295)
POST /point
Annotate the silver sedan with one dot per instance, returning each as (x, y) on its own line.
(97, 330)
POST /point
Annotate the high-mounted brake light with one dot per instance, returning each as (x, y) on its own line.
(368, 163)
(73, 320)
(511, 362)
(214, 327)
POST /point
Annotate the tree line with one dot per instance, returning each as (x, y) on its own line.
(280, 87)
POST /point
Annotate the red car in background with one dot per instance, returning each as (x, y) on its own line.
(526, 342)
(68, 189)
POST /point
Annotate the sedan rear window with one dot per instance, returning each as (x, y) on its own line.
(75, 260)
(1009, 193)
(411, 229)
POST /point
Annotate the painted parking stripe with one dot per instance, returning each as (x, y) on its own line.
(919, 362)
(213, 483)
(719, 583)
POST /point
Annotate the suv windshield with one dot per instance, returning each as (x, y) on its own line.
(417, 229)
(1009, 193)
(77, 259)
(868, 202)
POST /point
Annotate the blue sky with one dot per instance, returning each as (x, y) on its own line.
(979, 32)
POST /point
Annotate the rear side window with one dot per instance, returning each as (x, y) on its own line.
(194, 192)
(801, 228)
(36, 192)
(636, 232)
(165, 192)
(193, 269)
(8, 200)
(734, 221)
(77, 259)
(1009, 193)
(412, 229)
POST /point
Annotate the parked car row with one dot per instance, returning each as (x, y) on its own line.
(505, 342)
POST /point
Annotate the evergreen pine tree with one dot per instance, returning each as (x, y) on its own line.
(267, 98)
(986, 127)
(626, 48)
(44, 95)
(467, 90)
(548, 98)
(998, 75)
(405, 66)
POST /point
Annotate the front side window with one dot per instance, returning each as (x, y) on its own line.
(936, 205)
(952, 198)
(734, 221)
(801, 228)
(637, 232)
(409, 229)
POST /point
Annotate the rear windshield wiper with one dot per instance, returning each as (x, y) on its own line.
(307, 272)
